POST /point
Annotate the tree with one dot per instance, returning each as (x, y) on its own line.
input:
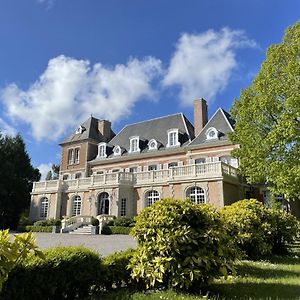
(16, 177)
(268, 120)
(49, 176)
(55, 171)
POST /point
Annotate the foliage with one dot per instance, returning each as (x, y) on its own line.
(181, 244)
(35, 228)
(66, 272)
(24, 221)
(95, 222)
(53, 174)
(117, 273)
(285, 228)
(250, 227)
(11, 253)
(49, 222)
(115, 230)
(16, 177)
(123, 221)
(268, 120)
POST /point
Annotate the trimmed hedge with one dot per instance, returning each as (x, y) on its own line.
(66, 272)
(49, 222)
(115, 230)
(124, 222)
(38, 228)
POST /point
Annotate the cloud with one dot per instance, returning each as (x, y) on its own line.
(44, 169)
(203, 63)
(48, 3)
(69, 90)
(6, 129)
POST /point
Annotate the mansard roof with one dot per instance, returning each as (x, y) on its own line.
(90, 131)
(155, 129)
(222, 122)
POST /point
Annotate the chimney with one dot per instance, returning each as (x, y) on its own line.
(104, 128)
(200, 115)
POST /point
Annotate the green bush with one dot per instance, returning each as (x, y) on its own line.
(24, 221)
(95, 222)
(181, 244)
(285, 230)
(115, 230)
(116, 270)
(106, 230)
(38, 228)
(50, 222)
(250, 227)
(66, 272)
(123, 221)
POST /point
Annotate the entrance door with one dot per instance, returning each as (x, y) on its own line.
(103, 204)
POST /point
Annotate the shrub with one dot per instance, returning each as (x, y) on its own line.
(115, 230)
(95, 222)
(116, 270)
(181, 244)
(250, 227)
(38, 228)
(12, 253)
(123, 221)
(66, 272)
(106, 230)
(24, 221)
(285, 230)
(50, 222)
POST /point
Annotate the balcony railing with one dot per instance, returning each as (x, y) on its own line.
(200, 171)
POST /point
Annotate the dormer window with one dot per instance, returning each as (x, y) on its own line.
(80, 129)
(212, 133)
(152, 145)
(117, 151)
(173, 138)
(102, 150)
(134, 144)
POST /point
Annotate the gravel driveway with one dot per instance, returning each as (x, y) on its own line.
(104, 244)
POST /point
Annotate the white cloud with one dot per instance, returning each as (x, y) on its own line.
(203, 63)
(6, 129)
(70, 90)
(44, 169)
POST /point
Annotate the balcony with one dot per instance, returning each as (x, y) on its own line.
(189, 172)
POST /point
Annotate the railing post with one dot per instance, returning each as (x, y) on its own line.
(77, 183)
(220, 169)
(194, 170)
(152, 175)
(92, 180)
(171, 173)
(33, 187)
(46, 185)
(104, 178)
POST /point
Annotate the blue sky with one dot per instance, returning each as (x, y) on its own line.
(126, 61)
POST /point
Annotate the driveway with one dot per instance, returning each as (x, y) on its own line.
(104, 244)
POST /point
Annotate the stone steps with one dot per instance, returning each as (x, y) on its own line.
(82, 230)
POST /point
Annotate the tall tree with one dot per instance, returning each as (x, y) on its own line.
(49, 176)
(16, 177)
(55, 171)
(268, 120)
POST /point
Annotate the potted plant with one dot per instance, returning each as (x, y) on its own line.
(95, 226)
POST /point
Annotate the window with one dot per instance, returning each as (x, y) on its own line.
(152, 145)
(44, 207)
(123, 207)
(76, 156)
(100, 172)
(201, 160)
(117, 151)
(77, 175)
(152, 168)
(115, 170)
(80, 129)
(196, 194)
(173, 138)
(152, 197)
(172, 164)
(65, 177)
(133, 169)
(102, 150)
(212, 133)
(134, 145)
(76, 206)
(70, 156)
(103, 204)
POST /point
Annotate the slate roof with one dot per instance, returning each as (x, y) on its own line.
(222, 121)
(155, 129)
(90, 131)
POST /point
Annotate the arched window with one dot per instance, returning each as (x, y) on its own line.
(44, 207)
(152, 197)
(76, 206)
(103, 204)
(196, 194)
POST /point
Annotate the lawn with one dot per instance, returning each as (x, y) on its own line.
(276, 278)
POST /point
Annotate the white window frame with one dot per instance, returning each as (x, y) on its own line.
(172, 143)
(70, 156)
(117, 151)
(102, 153)
(77, 204)
(76, 157)
(196, 194)
(154, 147)
(123, 210)
(152, 197)
(134, 140)
(79, 130)
(215, 131)
(44, 208)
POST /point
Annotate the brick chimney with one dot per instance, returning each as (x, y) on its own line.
(200, 115)
(104, 128)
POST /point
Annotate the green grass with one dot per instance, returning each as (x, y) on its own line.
(276, 278)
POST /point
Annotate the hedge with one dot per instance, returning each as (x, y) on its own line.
(38, 228)
(115, 230)
(66, 272)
